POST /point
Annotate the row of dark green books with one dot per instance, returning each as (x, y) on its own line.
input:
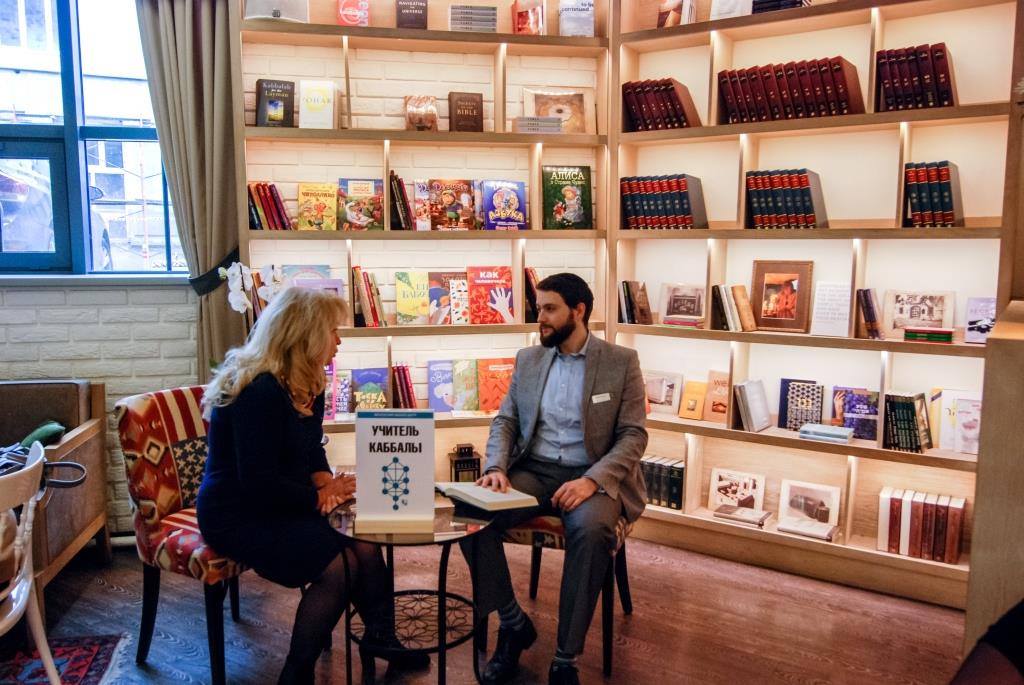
(671, 201)
(931, 196)
(906, 423)
(785, 198)
(663, 477)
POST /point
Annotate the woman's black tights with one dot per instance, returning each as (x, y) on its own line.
(324, 600)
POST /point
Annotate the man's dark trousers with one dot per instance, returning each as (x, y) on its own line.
(590, 544)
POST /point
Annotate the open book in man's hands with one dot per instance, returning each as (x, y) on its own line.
(485, 498)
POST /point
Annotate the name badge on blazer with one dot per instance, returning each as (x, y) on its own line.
(603, 397)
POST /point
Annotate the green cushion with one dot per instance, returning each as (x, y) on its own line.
(47, 433)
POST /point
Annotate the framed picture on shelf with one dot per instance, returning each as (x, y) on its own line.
(781, 295)
(736, 488)
(904, 309)
(801, 501)
(681, 302)
(574, 106)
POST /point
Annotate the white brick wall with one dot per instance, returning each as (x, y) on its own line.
(134, 340)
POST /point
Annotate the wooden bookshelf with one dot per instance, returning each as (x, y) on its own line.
(872, 249)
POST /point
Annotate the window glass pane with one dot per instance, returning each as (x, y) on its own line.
(114, 84)
(177, 254)
(26, 206)
(30, 85)
(126, 210)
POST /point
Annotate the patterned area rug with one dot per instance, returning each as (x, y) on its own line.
(89, 660)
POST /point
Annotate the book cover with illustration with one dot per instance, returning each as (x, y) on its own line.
(692, 404)
(716, 402)
(440, 393)
(329, 390)
(459, 294)
(342, 392)
(318, 207)
(440, 286)
(412, 298)
(275, 102)
(421, 204)
(464, 385)
(494, 376)
(504, 205)
(856, 408)
(490, 294)
(370, 388)
(361, 204)
(452, 207)
(567, 197)
(304, 272)
(663, 391)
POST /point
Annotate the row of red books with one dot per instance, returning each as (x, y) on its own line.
(921, 525)
(655, 105)
(914, 78)
(673, 201)
(266, 208)
(405, 394)
(794, 90)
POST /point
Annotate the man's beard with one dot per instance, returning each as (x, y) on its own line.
(559, 335)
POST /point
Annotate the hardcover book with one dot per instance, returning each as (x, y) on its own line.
(968, 426)
(275, 103)
(681, 303)
(490, 295)
(716, 403)
(804, 404)
(451, 204)
(528, 17)
(439, 283)
(465, 111)
(370, 388)
(856, 408)
(663, 391)
(342, 392)
(981, 317)
(318, 206)
(316, 104)
(576, 18)
(692, 404)
(494, 376)
(504, 205)
(412, 298)
(459, 293)
(440, 391)
(411, 14)
(361, 204)
(299, 274)
(736, 488)
(353, 12)
(421, 205)
(754, 517)
(567, 197)
(464, 385)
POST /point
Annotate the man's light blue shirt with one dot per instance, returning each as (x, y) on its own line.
(559, 436)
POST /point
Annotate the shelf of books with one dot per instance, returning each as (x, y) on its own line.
(798, 218)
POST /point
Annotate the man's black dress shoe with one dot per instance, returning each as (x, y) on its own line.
(563, 674)
(399, 659)
(505, 661)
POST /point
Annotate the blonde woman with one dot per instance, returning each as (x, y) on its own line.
(267, 486)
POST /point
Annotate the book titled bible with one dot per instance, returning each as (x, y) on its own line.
(465, 111)
(411, 14)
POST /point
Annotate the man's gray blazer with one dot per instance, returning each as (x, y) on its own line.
(614, 409)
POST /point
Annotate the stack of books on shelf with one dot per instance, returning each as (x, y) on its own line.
(906, 422)
(369, 308)
(634, 305)
(869, 323)
(266, 208)
(932, 197)
(752, 403)
(674, 201)
(402, 218)
(794, 90)
(479, 295)
(473, 18)
(921, 525)
(785, 198)
(537, 125)
(731, 310)
(928, 335)
(914, 78)
(405, 393)
(761, 6)
(468, 385)
(663, 477)
(655, 105)
(682, 305)
(821, 432)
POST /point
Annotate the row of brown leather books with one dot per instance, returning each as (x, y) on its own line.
(794, 90)
(914, 78)
(655, 105)
(922, 525)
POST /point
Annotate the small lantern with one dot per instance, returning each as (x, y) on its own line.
(465, 463)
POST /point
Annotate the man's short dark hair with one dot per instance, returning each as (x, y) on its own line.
(573, 290)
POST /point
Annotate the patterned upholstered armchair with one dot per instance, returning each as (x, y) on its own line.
(163, 437)
(547, 531)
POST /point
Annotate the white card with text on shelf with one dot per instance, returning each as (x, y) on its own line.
(831, 313)
(394, 471)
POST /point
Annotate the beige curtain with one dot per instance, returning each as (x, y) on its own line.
(188, 61)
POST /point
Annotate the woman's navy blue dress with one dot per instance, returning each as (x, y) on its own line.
(257, 503)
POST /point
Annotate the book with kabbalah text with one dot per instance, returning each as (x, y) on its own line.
(915, 77)
(411, 14)
(567, 195)
(754, 517)
(316, 104)
(465, 111)
(793, 90)
(656, 105)
(785, 198)
(275, 103)
(485, 498)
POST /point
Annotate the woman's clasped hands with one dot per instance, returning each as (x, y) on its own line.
(334, 491)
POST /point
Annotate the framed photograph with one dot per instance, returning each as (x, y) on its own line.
(801, 501)
(780, 295)
(574, 106)
(905, 309)
(681, 302)
(745, 490)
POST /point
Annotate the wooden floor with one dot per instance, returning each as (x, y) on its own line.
(697, 619)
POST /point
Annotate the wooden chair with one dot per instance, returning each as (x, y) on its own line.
(21, 489)
(547, 531)
(163, 437)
